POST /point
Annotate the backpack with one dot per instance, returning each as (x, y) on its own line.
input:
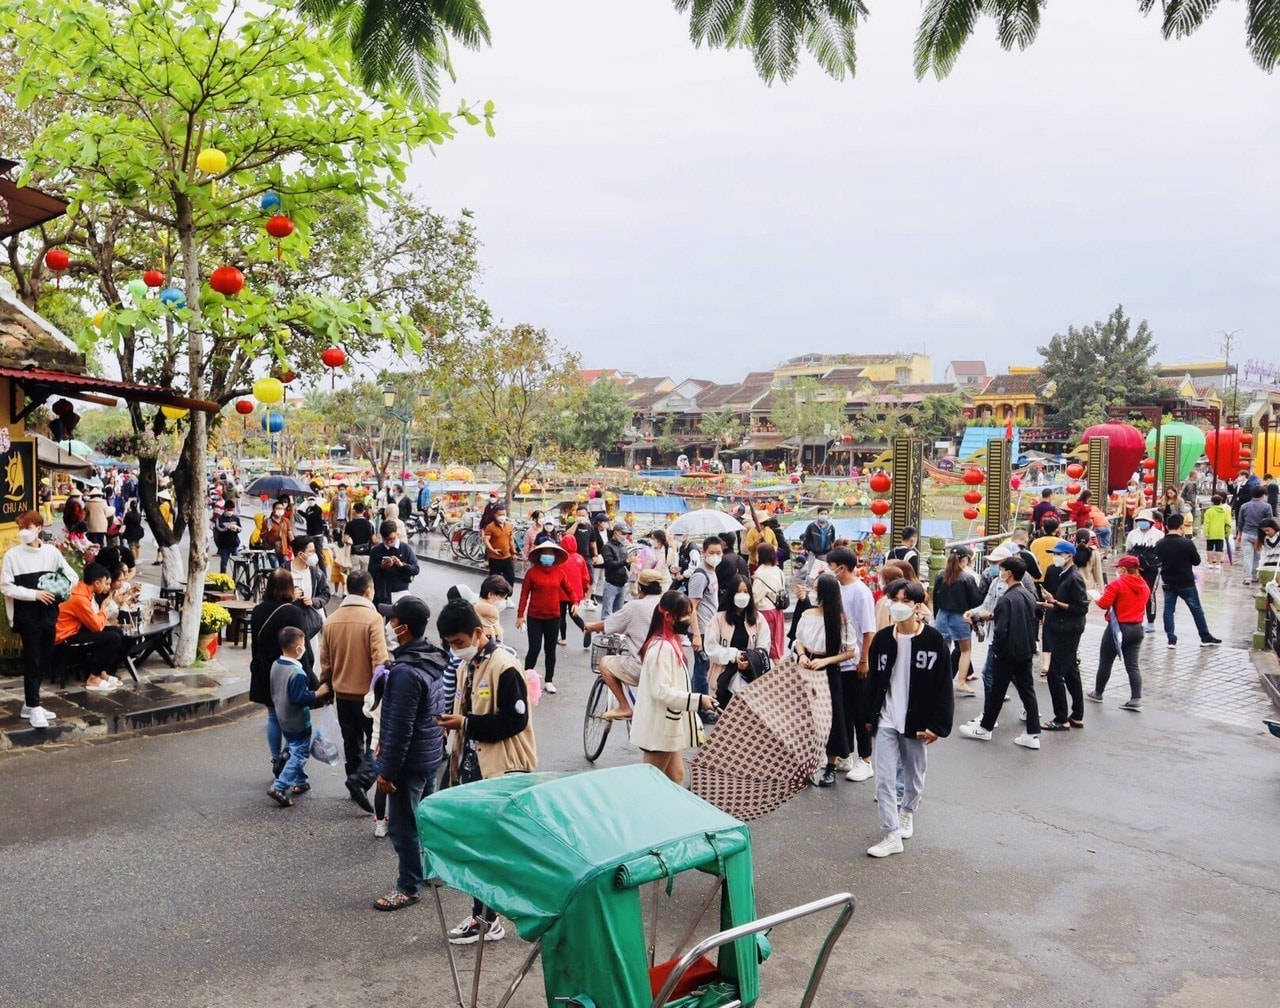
(784, 551)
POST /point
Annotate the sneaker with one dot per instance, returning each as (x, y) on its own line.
(842, 765)
(28, 711)
(1173, 644)
(825, 777)
(359, 797)
(975, 731)
(908, 825)
(1209, 641)
(1149, 628)
(37, 717)
(891, 844)
(379, 827)
(1133, 705)
(468, 933)
(586, 640)
(978, 720)
(1027, 741)
(114, 680)
(862, 770)
(1095, 697)
(550, 687)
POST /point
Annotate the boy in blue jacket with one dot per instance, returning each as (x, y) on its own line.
(292, 697)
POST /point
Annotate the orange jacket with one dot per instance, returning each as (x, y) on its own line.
(77, 613)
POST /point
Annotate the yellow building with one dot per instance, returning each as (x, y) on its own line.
(897, 369)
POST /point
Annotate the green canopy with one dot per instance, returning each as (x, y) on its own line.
(561, 856)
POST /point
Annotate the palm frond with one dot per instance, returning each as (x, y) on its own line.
(1182, 17)
(945, 26)
(1262, 32)
(1018, 22)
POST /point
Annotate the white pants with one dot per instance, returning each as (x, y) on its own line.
(889, 749)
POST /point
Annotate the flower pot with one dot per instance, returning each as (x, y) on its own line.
(207, 645)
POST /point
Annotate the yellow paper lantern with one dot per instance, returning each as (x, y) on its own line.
(98, 319)
(268, 390)
(173, 412)
(211, 161)
(525, 488)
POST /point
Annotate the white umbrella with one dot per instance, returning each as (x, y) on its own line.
(704, 521)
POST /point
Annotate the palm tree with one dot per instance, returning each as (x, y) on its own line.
(406, 43)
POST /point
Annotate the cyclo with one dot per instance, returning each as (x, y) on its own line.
(538, 850)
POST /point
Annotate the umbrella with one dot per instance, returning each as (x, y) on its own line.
(274, 486)
(768, 744)
(76, 447)
(704, 521)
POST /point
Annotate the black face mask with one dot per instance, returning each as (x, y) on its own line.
(681, 626)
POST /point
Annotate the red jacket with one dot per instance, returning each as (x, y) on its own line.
(578, 569)
(1128, 595)
(543, 589)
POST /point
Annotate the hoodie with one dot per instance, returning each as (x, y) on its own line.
(576, 566)
(410, 739)
(544, 588)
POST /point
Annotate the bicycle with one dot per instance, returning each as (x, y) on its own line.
(595, 726)
(250, 571)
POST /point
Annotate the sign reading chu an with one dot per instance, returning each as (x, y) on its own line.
(18, 479)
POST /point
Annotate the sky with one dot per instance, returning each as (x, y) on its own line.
(659, 209)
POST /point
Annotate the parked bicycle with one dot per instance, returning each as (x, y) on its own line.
(595, 726)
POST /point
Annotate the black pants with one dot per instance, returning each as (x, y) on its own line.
(507, 568)
(1003, 672)
(849, 700)
(564, 620)
(108, 648)
(1064, 675)
(357, 731)
(37, 651)
(543, 631)
(1150, 578)
(1130, 644)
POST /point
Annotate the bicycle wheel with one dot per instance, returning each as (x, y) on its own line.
(474, 543)
(456, 537)
(258, 587)
(595, 729)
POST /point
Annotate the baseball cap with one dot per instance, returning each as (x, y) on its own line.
(1064, 547)
(998, 554)
(1128, 560)
(411, 611)
(621, 526)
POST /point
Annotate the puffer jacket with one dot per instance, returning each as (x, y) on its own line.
(576, 567)
(410, 738)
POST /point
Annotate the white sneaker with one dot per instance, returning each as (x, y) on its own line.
(102, 687)
(844, 765)
(1027, 741)
(28, 711)
(975, 731)
(908, 827)
(862, 770)
(550, 687)
(978, 720)
(37, 718)
(379, 827)
(891, 844)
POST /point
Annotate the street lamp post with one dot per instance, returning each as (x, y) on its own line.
(405, 416)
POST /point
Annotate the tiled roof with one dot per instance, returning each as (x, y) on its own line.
(717, 397)
(924, 389)
(968, 367)
(590, 375)
(1014, 384)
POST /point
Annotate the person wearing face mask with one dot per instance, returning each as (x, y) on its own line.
(860, 609)
(32, 610)
(615, 568)
(410, 740)
(1013, 643)
(546, 585)
(703, 590)
(1249, 519)
(732, 633)
(393, 564)
(819, 536)
(276, 534)
(911, 707)
(352, 644)
(490, 511)
(665, 722)
(1065, 608)
(1141, 543)
(310, 580)
(499, 545)
(1178, 560)
(1125, 602)
(825, 639)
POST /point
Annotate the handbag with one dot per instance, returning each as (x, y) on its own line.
(56, 583)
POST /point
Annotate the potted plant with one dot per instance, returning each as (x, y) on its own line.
(220, 582)
(213, 618)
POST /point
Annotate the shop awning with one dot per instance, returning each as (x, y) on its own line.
(28, 207)
(52, 455)
(40, 383)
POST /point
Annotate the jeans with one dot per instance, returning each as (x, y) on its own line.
(898, 755)
(37, 652)
(1191, 596)
(986, 669)
(701, 666)
(357, 731)
(402, 825)
(612, 599)
(543, 632)
(1017, 671)
(224, 557)
(1130, 643)
(1064, 677)
(294, 773)
(1249, 550)
(275, 737)
(1103, 532)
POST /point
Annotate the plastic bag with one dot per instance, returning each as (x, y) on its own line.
(326, 737)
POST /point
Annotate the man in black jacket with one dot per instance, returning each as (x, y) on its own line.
(912, 707)
(1179, 558)
(1013, 644)
(410, 740)
(1065, 606)
(393, 565)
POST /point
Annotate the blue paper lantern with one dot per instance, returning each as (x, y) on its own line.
(270, 202)
(272, 422)
(172, 297)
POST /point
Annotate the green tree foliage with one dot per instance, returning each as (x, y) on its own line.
(800, 411)
(881, 425)
(721, 429)
(940, 416)
(1108, 363)
(600, 417)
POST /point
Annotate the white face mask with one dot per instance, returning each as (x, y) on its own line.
(393, 640)
(712, 560)
(501, 604)
(1060, 560)
(465, 654)
(813, 598)
(27, 536)
(311, 559)
(742, 600)
(899, 612)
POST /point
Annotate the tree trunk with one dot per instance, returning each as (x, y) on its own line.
(190, 496)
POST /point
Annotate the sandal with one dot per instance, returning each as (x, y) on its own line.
(300, 789)
(971, 677)
(966, 692)
(395, 900)
(1054, 726)
(1076, 724)
(613, 714)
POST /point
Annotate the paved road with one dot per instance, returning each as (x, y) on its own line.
(1129, 864)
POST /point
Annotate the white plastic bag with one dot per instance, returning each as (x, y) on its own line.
(326, 737)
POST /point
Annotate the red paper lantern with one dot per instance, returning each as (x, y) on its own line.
(227, 281)
(973, 496)
(1127, 446)
(334, 357)
(153, 278)
(970, 513)
(1226, 451)
(244, 407)
(974, 477)
(279, 226)
(287, 376)
(879, 506)
(1246, 437)
(1075, 470)
(1015, 482)
(57, 260)
(879, 528)
(880, 483)
(1073, 488)
(1148, 477)
(1148, 463)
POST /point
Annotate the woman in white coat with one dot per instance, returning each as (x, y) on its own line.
(665, 722)
(733, 632)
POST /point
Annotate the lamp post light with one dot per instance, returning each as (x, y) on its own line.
(405, 416)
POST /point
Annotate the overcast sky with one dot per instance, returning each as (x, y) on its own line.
(659, 209)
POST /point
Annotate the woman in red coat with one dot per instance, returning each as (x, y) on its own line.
(546, 585)
(579, 574)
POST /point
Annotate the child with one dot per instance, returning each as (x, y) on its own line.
(293, 698)
(373, 711)
(1216, 524)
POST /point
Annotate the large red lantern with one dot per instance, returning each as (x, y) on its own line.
(57, 260)
(880, 483)
(970, 513)
(244, 407)
(974, 477)
(1073, 488)
(1226, 451)
(879, 506)
(1075, 470)
(1127, 446)
(879, 528)
(1015, 482)
(153, 278)
(227, 281)
(973, 496)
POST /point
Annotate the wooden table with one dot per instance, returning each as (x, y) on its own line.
(238, 628)
(155, 637)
